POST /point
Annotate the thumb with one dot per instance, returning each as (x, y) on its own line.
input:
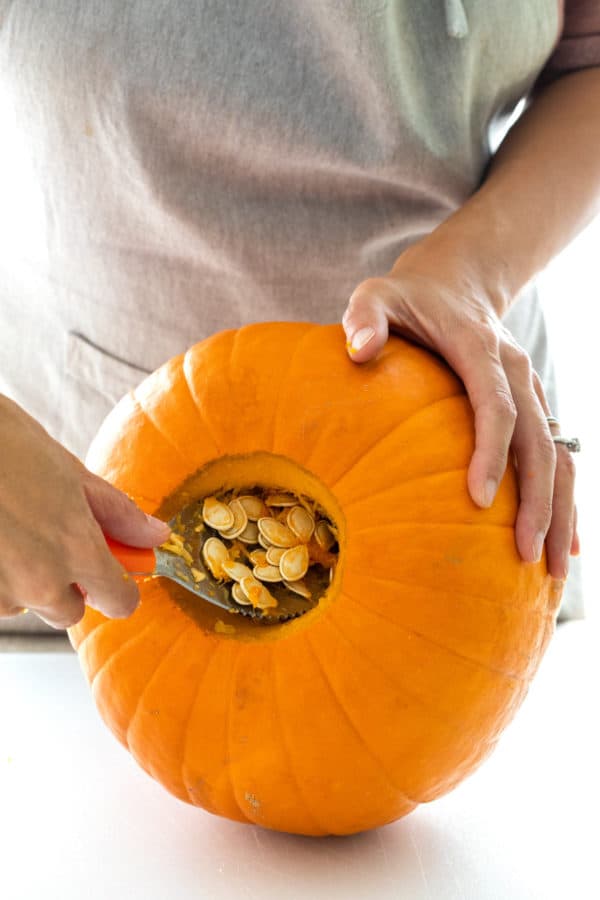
(365, 323)
(120, 517)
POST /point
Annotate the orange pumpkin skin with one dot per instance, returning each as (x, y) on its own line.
(400, 682)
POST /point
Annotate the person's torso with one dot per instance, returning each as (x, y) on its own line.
(170, 169)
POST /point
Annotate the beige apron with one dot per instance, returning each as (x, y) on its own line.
(170, 170)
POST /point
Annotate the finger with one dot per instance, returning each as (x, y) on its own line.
(563, 527)
(365, 322)
(575, 545)
(120, 517)
(536, 463)
(560, 534)
(474, 356)
(109, 589)
(8, 612)
(64, 609)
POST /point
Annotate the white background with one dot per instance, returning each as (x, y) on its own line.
(570, 290)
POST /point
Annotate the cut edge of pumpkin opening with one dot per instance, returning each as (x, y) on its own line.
(255, 472)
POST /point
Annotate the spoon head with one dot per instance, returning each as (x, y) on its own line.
(207, 588)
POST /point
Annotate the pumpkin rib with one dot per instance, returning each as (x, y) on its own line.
(365, 451)
(277, 693)
(356, 731)
(238, 347)
(163, 658)
(277, 423)
(164, 436)
(415, 524)
(424, 476)
(478, 598)
(184, 368)
(191, 718)
(120, 649)
(397, 687)
(417, 634)
(74, 631)
(268, 661)
(228, 711)
(526, 667)
(474, 758)
(187, 729)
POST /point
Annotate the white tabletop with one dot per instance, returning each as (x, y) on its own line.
(79, 820)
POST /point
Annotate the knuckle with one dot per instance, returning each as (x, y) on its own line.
(545, 450)
(504, 405)
(366, 293)
(8, 609)
(73, 618)
(565, 463)
(480, 340)
(483, 337)
(544, 512)
(518, 360)
(62, 611)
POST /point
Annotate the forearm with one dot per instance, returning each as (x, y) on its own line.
(541, 190)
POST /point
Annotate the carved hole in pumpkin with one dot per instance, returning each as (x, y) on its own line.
(264, 474)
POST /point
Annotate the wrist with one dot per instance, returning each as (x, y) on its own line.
(466, 253)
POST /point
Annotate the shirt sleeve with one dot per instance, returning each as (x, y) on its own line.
(578, 45)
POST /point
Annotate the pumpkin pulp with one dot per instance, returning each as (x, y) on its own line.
(252, 472)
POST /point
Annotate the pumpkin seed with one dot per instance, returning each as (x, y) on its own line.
(240, 520)
(294, 563)
(324, 535)
(301, 522)
(259, 557)
(298, 587)
(273, 555)
(276, 532)
(253, 506)
(267, 573)
(250, 533)
(215, 553)
(238, 595)
(281, 499)
(235, 570)
(216, 514)
(264, 537)
(257, 593)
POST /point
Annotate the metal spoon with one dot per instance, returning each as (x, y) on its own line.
(148, 562)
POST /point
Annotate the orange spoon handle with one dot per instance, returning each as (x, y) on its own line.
(136, 560)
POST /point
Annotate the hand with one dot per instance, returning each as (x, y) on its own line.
(427, 300)
(53, 512)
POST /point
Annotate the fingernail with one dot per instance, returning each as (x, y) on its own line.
(361, 338)
(538, 543)
(491, 486)
(157, 525)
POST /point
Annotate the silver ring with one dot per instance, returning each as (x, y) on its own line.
(572, 444)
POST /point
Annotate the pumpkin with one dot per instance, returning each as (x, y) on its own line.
(398, 684)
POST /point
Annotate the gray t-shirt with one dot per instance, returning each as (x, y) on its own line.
(170, 169)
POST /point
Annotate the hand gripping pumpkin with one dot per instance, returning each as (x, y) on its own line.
(399, 682)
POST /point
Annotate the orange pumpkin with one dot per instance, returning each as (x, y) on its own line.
(399, 683)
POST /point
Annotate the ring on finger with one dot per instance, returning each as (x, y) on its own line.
(573, 445)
